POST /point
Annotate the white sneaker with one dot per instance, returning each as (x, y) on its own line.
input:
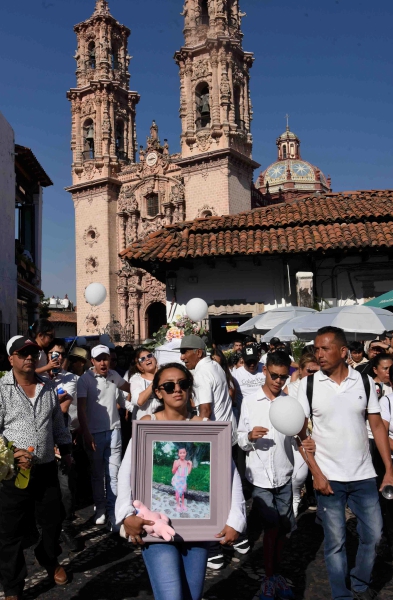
(216, 562)
(100, 519)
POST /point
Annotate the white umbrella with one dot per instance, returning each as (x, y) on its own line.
(358, 322)
(285, 332)
(267, 320)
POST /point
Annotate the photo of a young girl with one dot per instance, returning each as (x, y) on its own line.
(181, 479)
(181, 469)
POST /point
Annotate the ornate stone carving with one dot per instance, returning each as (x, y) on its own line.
(201, 69)
(127, 199)
(93, 324)
(204, 140)
(155, 291)
(91, 264)
(238, 75)
(225, 88)
(87, 108)
(204, 210)
(91, 235)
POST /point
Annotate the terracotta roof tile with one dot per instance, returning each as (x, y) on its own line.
(358, 219)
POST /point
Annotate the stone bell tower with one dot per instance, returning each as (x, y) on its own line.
(103, 142)
(215, 109)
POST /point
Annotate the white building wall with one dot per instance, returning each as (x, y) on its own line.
(8, 284)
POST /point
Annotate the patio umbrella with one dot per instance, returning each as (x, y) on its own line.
(358, 322)
(382, 301)
(267, 320)
(284, 332)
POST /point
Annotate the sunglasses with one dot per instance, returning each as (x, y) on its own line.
(276, 376)
(312, 371)
(142, 360)
(25, 353)
(170, 386)
(59, 353)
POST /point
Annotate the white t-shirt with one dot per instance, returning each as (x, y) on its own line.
(101, 399)
(386, 405)
(139, 384)
(339, 425)
(211, 387)
(249, 383)
(269, 462)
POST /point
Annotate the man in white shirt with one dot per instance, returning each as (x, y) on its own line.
(100, 426)
(250, 377)
(211, 393)
(269, 468)
(339, 402)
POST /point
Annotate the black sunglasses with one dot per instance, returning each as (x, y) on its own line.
(312, 371)
(275, 376)
(170, 386)
(142, 360)
(25, 353)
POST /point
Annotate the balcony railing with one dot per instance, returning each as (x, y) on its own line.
(88, 154)
(122, 155)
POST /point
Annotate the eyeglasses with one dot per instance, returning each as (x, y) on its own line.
(276, 376)
(170, 386)
(143, 358)
(59, 353)
(25, 353)
(312, 371)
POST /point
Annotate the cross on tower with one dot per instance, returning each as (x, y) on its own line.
(287, 118)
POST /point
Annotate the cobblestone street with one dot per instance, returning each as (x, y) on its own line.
(107, 568)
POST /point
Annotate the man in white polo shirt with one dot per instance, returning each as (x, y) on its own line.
(339, 402)
(100, 426)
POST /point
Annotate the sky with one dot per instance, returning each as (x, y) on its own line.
(328, 63)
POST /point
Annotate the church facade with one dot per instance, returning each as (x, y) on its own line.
(120, 199)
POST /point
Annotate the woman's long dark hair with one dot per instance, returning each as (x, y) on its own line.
(224, 364)
(175, 365)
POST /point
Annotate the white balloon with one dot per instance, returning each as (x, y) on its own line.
(95, 294)
(105, 339)
(81, 341)
(197, 309)
(287, 415)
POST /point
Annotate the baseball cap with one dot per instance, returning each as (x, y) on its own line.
(100, 349)
(192, 342)
(250, 353)
(19, 342)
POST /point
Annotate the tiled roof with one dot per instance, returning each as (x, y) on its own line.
(361, 219)
(57, 316)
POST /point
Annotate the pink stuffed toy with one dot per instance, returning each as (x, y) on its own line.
(161, 527)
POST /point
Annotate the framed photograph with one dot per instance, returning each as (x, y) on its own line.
(184, 470)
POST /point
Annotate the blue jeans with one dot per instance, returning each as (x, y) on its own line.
(105, 464)
(176, 571)
(362, 498)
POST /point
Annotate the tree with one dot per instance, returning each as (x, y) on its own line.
(43, 308)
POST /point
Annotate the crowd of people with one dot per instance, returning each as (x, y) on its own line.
(67, 414)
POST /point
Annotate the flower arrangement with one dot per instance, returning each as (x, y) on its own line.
(177, 330)
(6, 461)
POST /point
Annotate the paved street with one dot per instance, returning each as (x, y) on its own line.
(108, 569)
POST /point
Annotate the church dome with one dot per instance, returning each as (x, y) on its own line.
(291, 177)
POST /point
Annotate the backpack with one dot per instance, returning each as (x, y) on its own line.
(310, 389)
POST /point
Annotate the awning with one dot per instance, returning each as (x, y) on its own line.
(382, 301)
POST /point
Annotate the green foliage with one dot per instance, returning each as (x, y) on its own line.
(43, 307)
(297, 348)
(2, 373)
(198, 480)
(197, 452)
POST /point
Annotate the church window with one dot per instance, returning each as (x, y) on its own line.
(203, 18)
(284, 151)
(203, 106)
(115, 56)
(88, 140)
(237, 95)
(120, 153)
(152, 205)
(92, 55)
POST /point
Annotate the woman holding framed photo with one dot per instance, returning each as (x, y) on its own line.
(176, 570)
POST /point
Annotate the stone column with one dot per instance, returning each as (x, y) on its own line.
(112, 121)
(78, 132)
(305, 289)
(215, 89)
(232, 105)
(98, 124)
(189, 96)
(122, 229)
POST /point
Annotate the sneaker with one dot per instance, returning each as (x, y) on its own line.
(368, 594)
(216, 562)
(100, 519)
(242, 547)
(268, 588)
(312, 503)
(283, 591)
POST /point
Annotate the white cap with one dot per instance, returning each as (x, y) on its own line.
(11, 341)
(100, 349)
